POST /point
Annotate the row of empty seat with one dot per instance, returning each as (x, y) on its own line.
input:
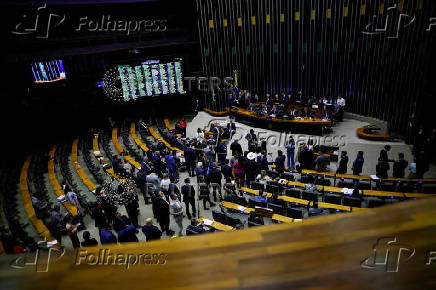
(55, 183)
(40, 227)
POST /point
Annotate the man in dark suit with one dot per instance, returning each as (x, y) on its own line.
(221, 151)
(150, 231)
(162, 208)
(231, 127)
(343, 163)
(190, 159)
(399, 166)
(88, 241)
(280, 162)
(226, 169)
(262, 162)
(384, 154)
(188, 195)
(236, 148)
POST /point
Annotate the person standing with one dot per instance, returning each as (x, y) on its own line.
(236, 148)
(280, 162)
(163, 213)
(400, 166)
(188, 194)
(204, 192)
(176, 209)
(172, 165)
(221, 151)
(290, 152)
(343, 163)
(72, 231)
(72, 198)
(131, 204)
(358, 163)
(190, 158)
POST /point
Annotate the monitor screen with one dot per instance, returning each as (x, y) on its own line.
(151, 78)
(47, 71)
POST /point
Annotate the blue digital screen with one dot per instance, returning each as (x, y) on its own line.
(48, 71)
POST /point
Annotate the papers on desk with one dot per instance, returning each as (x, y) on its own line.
(62, 198)
(52, 243)
(348, 191)
(207, 222)
(374, 177)
(241, 208)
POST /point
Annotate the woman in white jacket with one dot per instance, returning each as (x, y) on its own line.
(176, 209)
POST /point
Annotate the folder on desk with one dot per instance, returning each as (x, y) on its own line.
(241, 208)
(207, 222)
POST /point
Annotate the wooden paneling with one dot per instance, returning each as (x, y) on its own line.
(323, 252)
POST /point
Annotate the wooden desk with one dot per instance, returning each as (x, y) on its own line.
(322, 252)
(304, 202)
(378, 193)
(368, 178)
(367, 133)
(217, 225)
(308, 122)
(217, 114)
(247, 210)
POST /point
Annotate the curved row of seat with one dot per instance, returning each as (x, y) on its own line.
(99, 156)
(39, 226)
(55, 183)
(159, 138)
(83, 176)
(121, 149)
(136, 139)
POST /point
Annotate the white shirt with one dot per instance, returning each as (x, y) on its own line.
(165, 184)
(341, 102)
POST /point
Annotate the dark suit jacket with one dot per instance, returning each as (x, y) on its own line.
(151, 233)
(188, 192)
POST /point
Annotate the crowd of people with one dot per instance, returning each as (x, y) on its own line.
(206, 161)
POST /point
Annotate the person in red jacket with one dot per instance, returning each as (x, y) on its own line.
(183, 126)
